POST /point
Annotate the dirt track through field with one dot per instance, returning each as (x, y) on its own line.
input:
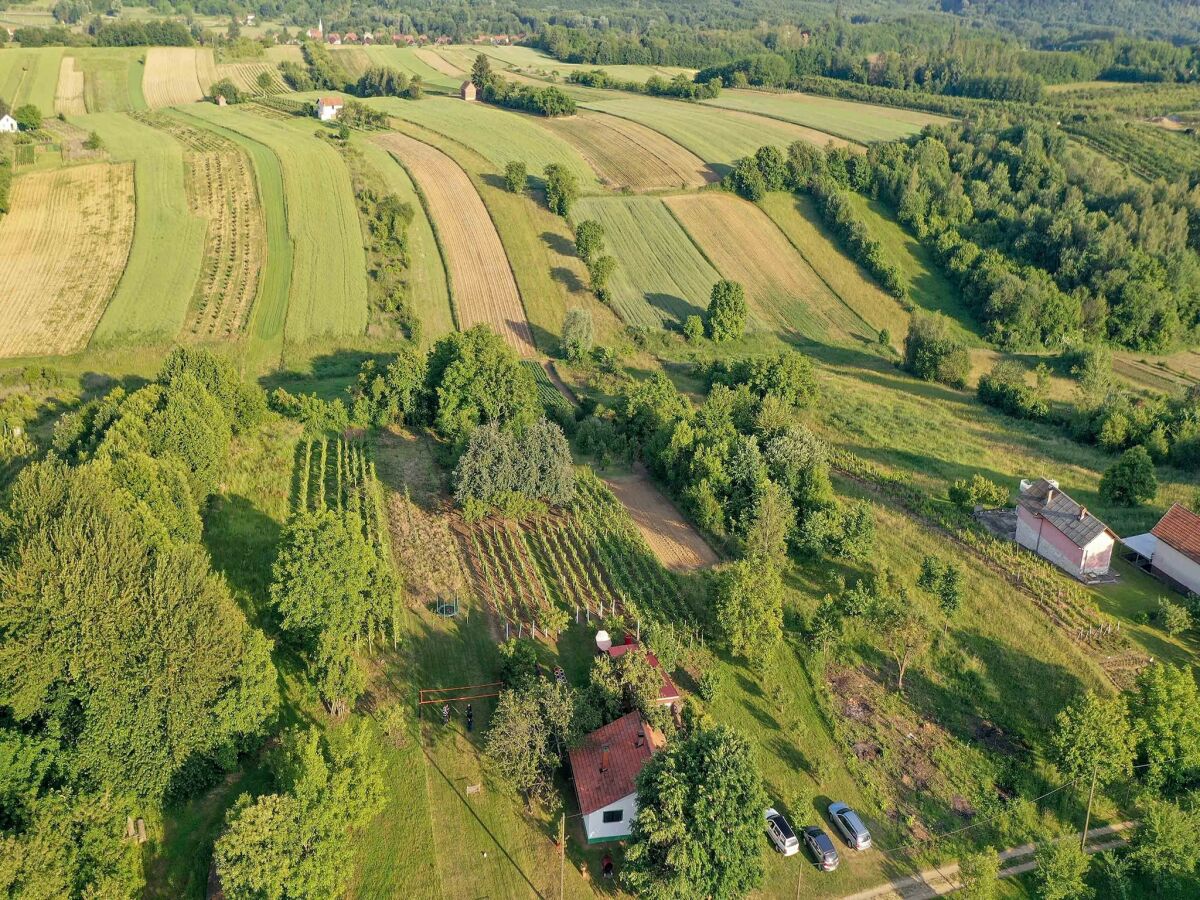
(677, 544)
(481, 280)
(62, 248)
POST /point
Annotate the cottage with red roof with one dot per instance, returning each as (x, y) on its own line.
(605, 768)
(328, 108)
(1057, 528)
(1175, 555)
(668, 694)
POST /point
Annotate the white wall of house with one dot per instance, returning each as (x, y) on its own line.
(9, 124)
(325, 113)
(1179, 568)
(599, 830)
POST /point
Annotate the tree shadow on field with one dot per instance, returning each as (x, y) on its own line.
(547, 341)
(328, 375)
(558, 243)
(673, 307)
(567, 278)
(243, 542)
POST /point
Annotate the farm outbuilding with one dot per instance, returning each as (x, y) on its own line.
(468, 91)
(1171, 549)
(8, 124)
(328, 108)
(605, 768)
(1062, 531)
(668, 694)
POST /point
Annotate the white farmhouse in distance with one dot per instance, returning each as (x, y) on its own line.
(8, 125)
(328, 108)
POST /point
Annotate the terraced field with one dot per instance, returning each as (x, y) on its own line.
(860, 122)
(719, 137)
(176, 75)
(481, 282)
(62, 248)
(499, 135)
(30, 75)
(626, 155)
(661, 276)
(327, 292)
(406, 60)
(153, 297)
(782, 290)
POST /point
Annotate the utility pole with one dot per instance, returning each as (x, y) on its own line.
(1087, 819)
(562, 855)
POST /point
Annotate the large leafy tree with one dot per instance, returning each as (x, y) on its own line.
(748, 604)
(1165, 710)
(727, 312)
(1166, 844)
(698, 832)
(1093, 736)
(1130, 481)
(1061, 867)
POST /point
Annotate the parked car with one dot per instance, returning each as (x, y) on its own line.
(781, 834)
(851, 826)
(821, 847)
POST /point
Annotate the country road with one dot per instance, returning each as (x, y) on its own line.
(940, 881)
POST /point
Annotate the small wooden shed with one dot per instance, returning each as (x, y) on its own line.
(468, 91)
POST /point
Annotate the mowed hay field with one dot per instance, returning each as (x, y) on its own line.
(327, 294)
(155, 292)
(406, 60)
(481, 281)
(62, 249)
(176, 75)
(438, 62)
(782, 290)
(861, 122)
(797, 217)
(625, 154)
(30, 76)
(112, 77)
(719, 137)
(498, 135)
(221, 189)
(68, 95)
(660, 276)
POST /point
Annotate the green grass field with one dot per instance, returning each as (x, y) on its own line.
(405, 60)
(30, 76)
(499, 135)
(112, 77)
(719, 137)
(661, 276)
(798, 219)
(861, 122)
(327, 295)
(155, 291)
(534, 62)
(426, 273)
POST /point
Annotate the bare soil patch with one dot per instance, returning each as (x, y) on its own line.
(678, 546)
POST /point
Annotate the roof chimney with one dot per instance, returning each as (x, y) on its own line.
(641, 738)
(1049, 495)
(1082, 513)
(604, 758)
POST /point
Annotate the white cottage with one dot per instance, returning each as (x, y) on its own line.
(1176, 553)
(605, 768)
(328, 108)
(8, 124)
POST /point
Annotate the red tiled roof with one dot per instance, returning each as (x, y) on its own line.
(1180, 528)
(595, 789)
(668, 693)
(331, 101)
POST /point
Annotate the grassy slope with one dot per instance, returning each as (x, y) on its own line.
(539, 246)
(153, 295)
(30, 76)
(717, 137)
(798, 219)
(534, 61)
(661, 276)
(854, 121)
(405, 60)
(328, 291)
(112, 77)
(265, 345)
(499, 135)
(426, 274)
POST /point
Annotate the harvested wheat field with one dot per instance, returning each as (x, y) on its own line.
(246, 77)
(782, 290)
(220, 188)
(628, 155)
(481, 281)
(68, 96)
(678, 546)
(176, 75)
(62, 249)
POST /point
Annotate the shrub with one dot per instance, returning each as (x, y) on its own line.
(1005, 388)
(515, 177)
(979, 491)
(693, 329)
(932, 353)
(727, 312)
(1130, 481)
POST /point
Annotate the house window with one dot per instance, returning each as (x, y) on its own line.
(613, 815)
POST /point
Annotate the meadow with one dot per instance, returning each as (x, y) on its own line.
(112, 77)
(533, 61)
(858, 122)
(782, 290)
(661, 277)
(327, 293)
(30, 75)
(717, 136)
(501, 136)
(65, 245)
(480, 280)
(629, 156)
(176, 75)
(155, 291)
(406, 60)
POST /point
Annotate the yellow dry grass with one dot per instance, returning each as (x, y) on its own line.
(62, 249)
(177, 75)
(674, 541)
(481, 281)
(68, 96)
(628, 155)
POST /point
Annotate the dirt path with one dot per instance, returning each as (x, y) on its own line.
(676, 543)
(943, 880)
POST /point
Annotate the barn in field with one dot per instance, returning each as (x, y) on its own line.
(328, 108)
(605, 769)
(1057, 528)
(468, 91)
